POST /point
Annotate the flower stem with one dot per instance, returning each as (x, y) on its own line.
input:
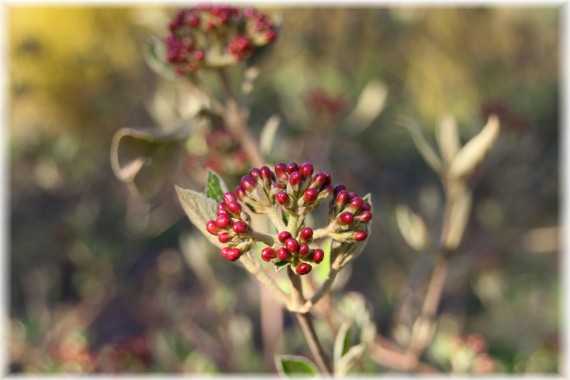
(236, 122)
(306, 322)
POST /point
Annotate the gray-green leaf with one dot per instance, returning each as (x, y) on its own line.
(215, 186)
(199, 209)
(292, 365)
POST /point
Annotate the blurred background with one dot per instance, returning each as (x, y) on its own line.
(102, 280)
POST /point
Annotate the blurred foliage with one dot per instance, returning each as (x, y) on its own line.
(101, 280)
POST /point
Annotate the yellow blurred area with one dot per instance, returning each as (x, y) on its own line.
(60, 59)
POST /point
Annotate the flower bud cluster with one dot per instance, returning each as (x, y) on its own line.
(297, 190)
(231, 227)
(289, 193)
(216, 36)
(348, 215)
(294, 250)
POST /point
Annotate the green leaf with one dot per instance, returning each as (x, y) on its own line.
(215, 186)
(342, 341)
(146, 159)
(199, 209)
(292, 365)
(279, 266)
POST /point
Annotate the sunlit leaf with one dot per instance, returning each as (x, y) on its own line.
(268, 133)
(448, 138)
(292, 365)
(215, 186)
(412, 228)
(458, 218)
(370, 104)
(476, 149)
(199, 209)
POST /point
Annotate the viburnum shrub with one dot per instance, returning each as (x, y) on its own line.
(273, 216)
(288, 194)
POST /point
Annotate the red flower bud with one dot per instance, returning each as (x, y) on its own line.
(306, 169)
(319, 180)
(248, 182)
(282, 198)
(240, 192)
(366, 207)
(341, 198)
(310, 195)
(352, 195)
(283, 253)
(306, 234)
(303, 249)
(292, 245)
(212, 227)
(224, 237)
(328, 178)
(281, 170)
(346, 217)
(240, 227)
(234, 208)
(292, 167)
(223, 221)
(231, 254)
(283, 235)
(338, 188)
(318, 255)
(360, 235)
(365, 217)
(255, 173)
(267, 254)
(303, 268)
(229, 197)
(355, 203)
(294, 178)
(222, 207)
(266, 173)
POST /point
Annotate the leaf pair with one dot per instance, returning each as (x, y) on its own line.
(454, 161)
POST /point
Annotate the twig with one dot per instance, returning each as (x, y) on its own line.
(237, 123)
(306, 322)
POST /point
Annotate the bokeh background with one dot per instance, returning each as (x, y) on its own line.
(101, 280)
